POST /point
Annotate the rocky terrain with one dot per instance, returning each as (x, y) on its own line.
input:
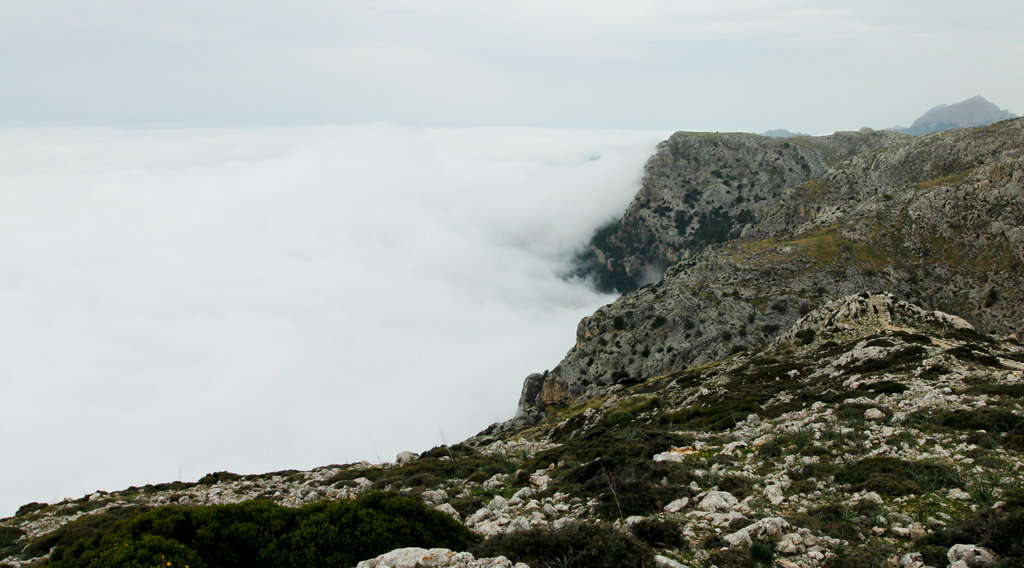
(894, 217)
(871, 429)
(822, 371)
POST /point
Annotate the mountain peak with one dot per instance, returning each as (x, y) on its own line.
(975, 111)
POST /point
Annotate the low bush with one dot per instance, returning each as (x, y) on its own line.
(758, 554)
(10, 535)
(591, 546)
(659, 533)
(1001, 530)
(260, 533)
(893, 476)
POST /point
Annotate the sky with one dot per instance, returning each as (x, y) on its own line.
(734, 65)
(254, 236)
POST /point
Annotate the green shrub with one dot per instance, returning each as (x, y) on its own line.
(614, 466)
(217, 477)
(9, 535)
(857, 559)
(81, 530)
(804, 336)
(146, 552)
(893, 476)
(260, 533)
(659, 533)
(627, 410)
(893, 360)
(581, 546)
(976, 354)
(758, 554)
(1001, 530)
(762, 552)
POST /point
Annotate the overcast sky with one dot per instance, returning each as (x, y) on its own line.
(807, 65)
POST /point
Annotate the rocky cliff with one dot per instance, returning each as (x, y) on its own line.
(935, 219)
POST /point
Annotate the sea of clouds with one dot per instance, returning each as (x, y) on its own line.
(179, 301)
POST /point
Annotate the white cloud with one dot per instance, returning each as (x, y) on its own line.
(262, 299)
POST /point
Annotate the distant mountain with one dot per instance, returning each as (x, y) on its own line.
(782, 133)
(975, 111)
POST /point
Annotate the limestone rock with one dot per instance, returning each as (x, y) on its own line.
(971, 556)
(405, 457)
(435, 558)
(718, 502)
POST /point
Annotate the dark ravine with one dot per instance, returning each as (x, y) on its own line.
(825, 373)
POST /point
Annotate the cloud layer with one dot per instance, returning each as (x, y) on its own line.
(184, 301)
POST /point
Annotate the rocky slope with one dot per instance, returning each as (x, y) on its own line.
(975, 111)
(871, 433)
(936, 219)
(702, 188)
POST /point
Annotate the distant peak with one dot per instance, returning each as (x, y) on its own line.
(975, 111)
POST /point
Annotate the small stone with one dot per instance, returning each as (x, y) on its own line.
(496, 482)
(523, 494)
(912, 560)
(774, 494)
(666, 562)
(873, 414)
(497, 503)
(971, 555)
(917, 532)
(677, 505)
(479, 516)
(738, 539)
(405, 457)
(435, 497)
(718, 501)
(447, 509)
(959, 494)
(518, 524)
